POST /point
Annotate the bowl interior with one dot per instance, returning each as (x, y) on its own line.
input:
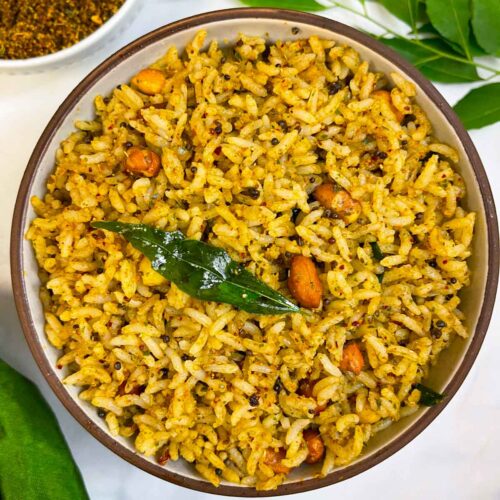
(224, 30)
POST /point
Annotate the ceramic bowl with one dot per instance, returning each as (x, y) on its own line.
(478, 298)
(112, 27)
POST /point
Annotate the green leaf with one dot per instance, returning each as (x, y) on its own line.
(201, 270)
(428, 397)
(486, 24)
(435, 66)
(409, 11)
(475, 49)
(377, 253)
(441, 68)
(428, 29)
(480, 107)
(303, 5)
(451, 19)
(35, 461)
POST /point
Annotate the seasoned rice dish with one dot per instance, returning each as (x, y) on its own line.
(322, 178)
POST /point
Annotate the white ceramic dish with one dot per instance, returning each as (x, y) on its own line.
(104, 33)
(478, 299)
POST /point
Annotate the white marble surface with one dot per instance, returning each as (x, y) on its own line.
(457, 457)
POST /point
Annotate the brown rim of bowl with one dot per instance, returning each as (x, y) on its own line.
(21, 207)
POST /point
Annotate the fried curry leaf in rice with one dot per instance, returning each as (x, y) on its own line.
(428, 397)
(200, 270)
(285, 154)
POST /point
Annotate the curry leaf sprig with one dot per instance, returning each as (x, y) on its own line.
(444, 40)
(201, 270)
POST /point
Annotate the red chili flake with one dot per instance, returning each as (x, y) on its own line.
(59, 367)
(218, 150)
(138, 389)
(305, 388)
(163, 457)
(159, 105)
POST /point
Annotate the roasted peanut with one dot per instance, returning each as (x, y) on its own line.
(149, 81)
(142, 161)
(347, 207)
(324, 193)
(304, 283)
(339, 201)
(386, 96)
(305, 388)
(273, 458)
(352, 359)
(315, 446)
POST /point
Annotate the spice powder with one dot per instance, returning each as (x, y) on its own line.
(31, 28)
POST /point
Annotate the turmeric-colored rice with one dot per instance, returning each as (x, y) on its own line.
(179, 376)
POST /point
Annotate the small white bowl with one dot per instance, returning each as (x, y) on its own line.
(114, 25)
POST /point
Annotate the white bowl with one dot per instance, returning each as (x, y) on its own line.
(478, 298)
(113, 26)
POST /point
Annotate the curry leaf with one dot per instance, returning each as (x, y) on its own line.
(377, 253)
(201, 270)
(475, 50)
(35, 461)
(428, 397)
(480, 107)
(486, 24)
(435, 66)
(451, 18)
(307, 5)
(409, 11)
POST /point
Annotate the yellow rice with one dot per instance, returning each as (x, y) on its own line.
(187, 368)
